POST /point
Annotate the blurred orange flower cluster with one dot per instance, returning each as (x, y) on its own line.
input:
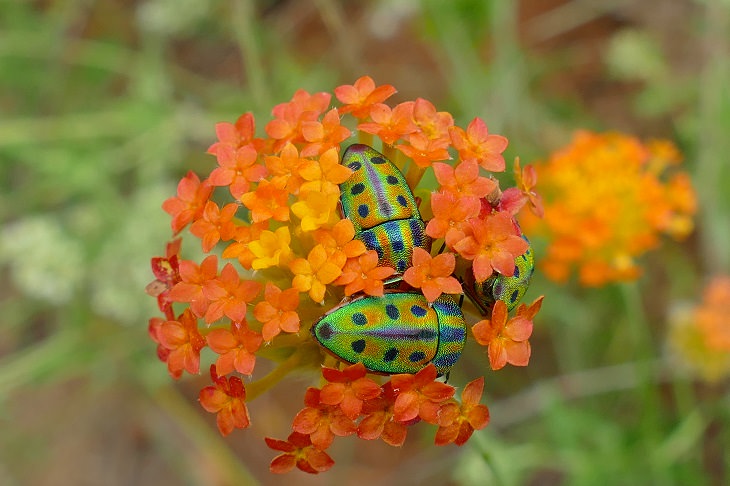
(702, 336)
(281, 255)
(607, 199)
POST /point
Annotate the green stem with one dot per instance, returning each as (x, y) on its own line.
(41, 361)
(414, 175)
(365, 138)
(261, 385)
(210, 446)
(650, 396)
(244, 27)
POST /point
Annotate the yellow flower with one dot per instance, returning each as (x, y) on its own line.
(271, 249)
(701, 336)
(313, 274)
(324, 175)
(316, 209)
(607, 201)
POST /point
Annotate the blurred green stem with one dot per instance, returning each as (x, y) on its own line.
(650, 412)
(714, 144)
(42, 361)
(244, 28)
(209, 443)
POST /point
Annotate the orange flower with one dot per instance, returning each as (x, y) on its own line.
(477, 144)
(167, 274)
(229, 295)
(324, 175)
(458, 422)
(348, 388)
(239, 249)
(359, 97)
(237, 347)
(419, 395)
(423, 150)
(278, 312)
(323, 136)
(464, 179)
(493, 245)
(514, 198)
(390, 124)
(451, 214)
(364, 274)
(183, 341)
(432, 275)
(636, 205)
(238, 168)
(215, 225)
(193, 278)
(322, 422)
(298, 451)
(313, 274)
(235, 136)
(284, 168)
(379, 421)
(295, 168)
(701, 335)
(226, 399)
(434, 125)
(267, 201)
(189, 203)
(288, 117)
(507, 341)
(339, 242)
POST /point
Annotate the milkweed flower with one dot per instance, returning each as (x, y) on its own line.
(700, 336)
(608, 198)
(279, 254)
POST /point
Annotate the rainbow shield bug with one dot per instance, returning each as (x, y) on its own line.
(396, 333)
(500, 287)
(381, 206)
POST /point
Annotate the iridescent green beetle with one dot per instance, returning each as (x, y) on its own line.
(499, 287)
(397, 333)
(381, 206)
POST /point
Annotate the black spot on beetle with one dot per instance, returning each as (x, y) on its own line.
(418, 311)
(358, 188)
(377, 160)
(363, 210)
(513, 297)
(325, 331)
(402, 200)
(416, 356)
(392, 180)
(392, 311)
(390, 355)
(358, 318)
(358, 346)
(355, 166)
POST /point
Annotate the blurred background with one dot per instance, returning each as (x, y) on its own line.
(105, 104)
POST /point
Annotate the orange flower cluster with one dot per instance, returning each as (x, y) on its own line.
(608, 197)
(285, 256)
(351, 403)
(702, 335)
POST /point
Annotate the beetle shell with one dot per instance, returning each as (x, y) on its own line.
(499, 287)
(394, 241)
(396, 333)
(381, 206)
